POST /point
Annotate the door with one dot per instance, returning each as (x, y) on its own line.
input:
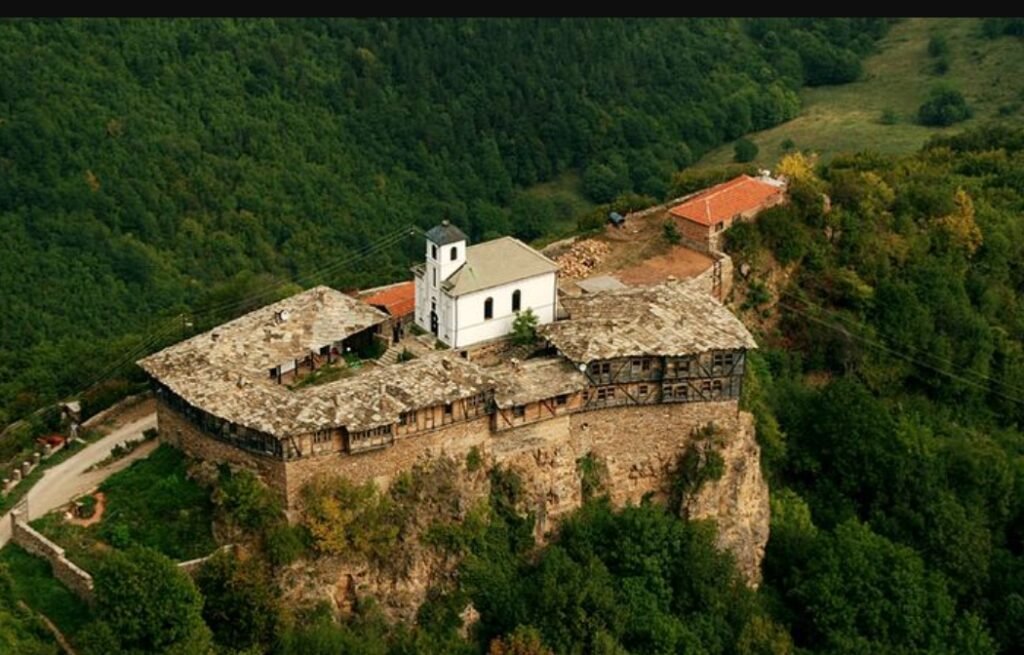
(433, 323)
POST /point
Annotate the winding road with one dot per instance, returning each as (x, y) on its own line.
(68, 479)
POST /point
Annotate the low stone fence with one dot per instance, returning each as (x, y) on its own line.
(74, 577)
(192, 565)
(70, 574)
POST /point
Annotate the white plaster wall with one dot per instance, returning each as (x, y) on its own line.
(446, 264)
(538, 294)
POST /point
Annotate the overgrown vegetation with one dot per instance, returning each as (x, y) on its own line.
(21, 631)
(888, 399)
(593, 474)
(152, 503)
(701, 462)
(28, 578)
(145, 605)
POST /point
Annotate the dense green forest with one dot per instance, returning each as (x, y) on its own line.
(153, 168)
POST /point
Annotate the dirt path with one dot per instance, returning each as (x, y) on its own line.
(69, 478)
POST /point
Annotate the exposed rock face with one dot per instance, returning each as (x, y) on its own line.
(738, 502)
(635, 449)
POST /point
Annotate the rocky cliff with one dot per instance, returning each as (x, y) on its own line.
(629, 453)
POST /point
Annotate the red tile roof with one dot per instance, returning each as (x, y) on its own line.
(726, 200)
(398, 300)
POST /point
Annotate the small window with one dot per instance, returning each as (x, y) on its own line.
(519, 411)
(716, 387)
(322, 436)
(403, 418)
(435, 277)
(561, 399)
(595, 369)
(681, 391)
(643, 390)
(273, 374)
(489, 309)
(448, 410)
(605, 393)
(455, 253)
(719, 226)
(705, 386)
(719, 359)
(645, 365)
(606, 368)
(433, 251)
(635, 365)
(517, 298)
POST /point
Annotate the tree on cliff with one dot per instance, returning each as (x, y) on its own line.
(149, 605)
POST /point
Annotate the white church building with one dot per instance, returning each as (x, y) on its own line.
(468, 294)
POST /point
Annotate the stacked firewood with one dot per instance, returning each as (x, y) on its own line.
(582, 258)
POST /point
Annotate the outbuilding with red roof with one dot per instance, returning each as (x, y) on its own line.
(704, 216)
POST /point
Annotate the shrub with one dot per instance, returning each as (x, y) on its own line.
(938, 46)
(945, 106)
(671, 232)
(524, 328)
(744, 151)
(284, 543)
(473, 460)
(405, 355)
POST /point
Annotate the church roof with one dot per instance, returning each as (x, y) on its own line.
(445, 233)
(497, 262)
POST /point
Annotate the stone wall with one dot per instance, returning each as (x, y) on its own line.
(380, 466)
(191, 566)
(706, 280)
(69, 573)
(178, 431)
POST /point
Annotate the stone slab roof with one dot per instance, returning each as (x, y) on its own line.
(497, 262)
(671, 319)
(368, 399)
(270, 336)
(537, 379)
(600, 283)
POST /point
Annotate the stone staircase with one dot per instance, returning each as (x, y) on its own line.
(390, 355)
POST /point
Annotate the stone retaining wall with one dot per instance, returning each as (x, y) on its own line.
(70, 574)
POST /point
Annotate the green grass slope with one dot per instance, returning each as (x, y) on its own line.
(849, 117)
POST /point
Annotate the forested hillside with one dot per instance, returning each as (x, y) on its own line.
(890, 396)
(151, 168)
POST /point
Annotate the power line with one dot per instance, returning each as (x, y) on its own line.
(155, 337)
(836, 315)
(903, 356)
(389, 239)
